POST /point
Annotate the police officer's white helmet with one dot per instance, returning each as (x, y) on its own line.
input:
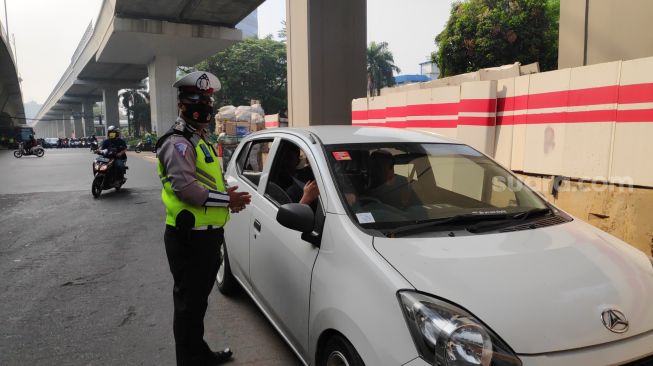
(197, 83)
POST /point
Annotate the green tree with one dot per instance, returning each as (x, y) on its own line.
(282, 34)
(488, 33)
(380, 67)
(137, 105)
(251, 69)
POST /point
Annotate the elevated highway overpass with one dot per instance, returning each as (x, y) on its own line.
(133, 40)
(12, 112)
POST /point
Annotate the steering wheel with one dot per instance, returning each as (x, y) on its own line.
(366, 200)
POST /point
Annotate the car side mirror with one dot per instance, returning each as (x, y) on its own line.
(296, 216)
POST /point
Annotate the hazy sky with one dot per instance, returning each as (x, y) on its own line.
(48, 31)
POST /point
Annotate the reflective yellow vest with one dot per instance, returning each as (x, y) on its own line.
(208, 174)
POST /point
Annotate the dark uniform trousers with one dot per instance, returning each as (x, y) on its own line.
(194, 258)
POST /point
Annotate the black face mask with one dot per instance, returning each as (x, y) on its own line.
(200, 113)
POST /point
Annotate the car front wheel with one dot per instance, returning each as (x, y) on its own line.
(225, 280)
(339, 352)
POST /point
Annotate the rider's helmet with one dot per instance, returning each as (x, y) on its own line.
(113, 132)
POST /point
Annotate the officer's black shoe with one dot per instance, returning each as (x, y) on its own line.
(221, 357)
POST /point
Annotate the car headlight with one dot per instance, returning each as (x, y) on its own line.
(446, 335)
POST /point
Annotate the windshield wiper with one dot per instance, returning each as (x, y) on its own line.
(520, 216)
(425, 225)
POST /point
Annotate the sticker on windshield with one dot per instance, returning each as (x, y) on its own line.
(365, 218)
(492, 212)
(341, 155)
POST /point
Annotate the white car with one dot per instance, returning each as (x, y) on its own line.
(420, 250)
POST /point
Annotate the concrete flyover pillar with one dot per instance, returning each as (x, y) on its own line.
(87, 110)
(327, 60)
(67, 126)
(78, 126)
(111, 116)
(163, 99)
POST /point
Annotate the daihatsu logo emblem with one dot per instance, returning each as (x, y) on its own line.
(615, 321)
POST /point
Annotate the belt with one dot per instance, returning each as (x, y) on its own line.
(208, 227)
(200, 228)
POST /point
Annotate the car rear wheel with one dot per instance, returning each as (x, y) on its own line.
(225, 280)
(338, 351)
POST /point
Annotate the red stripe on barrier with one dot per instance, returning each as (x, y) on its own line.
(478, 105)
(637, 93)
(608, 115)
(625, 94)
(395, 112)
(376, 114)
(271, 124)
(591, 96)
(439, 109)
(476, 121)
(505, 120)
(637, 115)
(359, 115)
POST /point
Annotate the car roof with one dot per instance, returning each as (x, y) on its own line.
(354, 134)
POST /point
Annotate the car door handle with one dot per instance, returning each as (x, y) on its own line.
(257, 225)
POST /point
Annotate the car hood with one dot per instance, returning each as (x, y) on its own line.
(540, 290)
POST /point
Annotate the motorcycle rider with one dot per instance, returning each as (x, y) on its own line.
(29, 144)
(115, 146)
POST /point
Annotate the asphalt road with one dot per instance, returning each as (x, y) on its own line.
(86, 282)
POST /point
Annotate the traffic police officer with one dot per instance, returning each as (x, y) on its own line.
(197, 204)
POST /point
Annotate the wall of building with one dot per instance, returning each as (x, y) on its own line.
(593, 122)
(596, 31)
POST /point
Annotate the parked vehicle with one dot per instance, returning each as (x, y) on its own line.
(105, 174)
(422, 251)
(144, 146)
(37, 150)
(50, 142)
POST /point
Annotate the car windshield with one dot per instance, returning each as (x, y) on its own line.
(392, 185)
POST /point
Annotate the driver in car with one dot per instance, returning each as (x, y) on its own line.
(385, 185)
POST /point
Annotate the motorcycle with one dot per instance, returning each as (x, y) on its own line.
(94, 146)
(141, 146)
(34, 150)
(105, 173)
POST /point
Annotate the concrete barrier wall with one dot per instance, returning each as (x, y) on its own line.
(477, 115)
(586, 122)
(633, 136)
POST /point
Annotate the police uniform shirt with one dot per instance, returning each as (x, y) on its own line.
(178, 157)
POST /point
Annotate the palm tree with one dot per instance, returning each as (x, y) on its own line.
(380, 67)
(136, 102)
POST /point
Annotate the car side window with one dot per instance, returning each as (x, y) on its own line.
(252, 160)
(289, 174)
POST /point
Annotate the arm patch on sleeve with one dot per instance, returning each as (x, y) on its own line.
(181, 148)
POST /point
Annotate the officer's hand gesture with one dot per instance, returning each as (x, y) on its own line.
(238, 200)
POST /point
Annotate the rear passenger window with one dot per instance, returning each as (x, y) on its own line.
(252, 160)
